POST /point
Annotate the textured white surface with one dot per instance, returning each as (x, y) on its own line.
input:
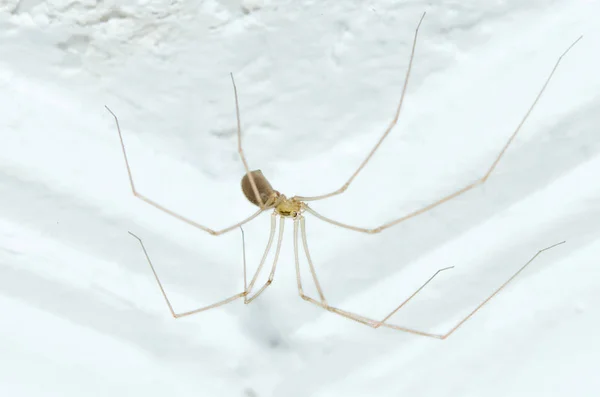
(80, 313)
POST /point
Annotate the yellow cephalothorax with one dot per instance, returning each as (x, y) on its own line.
(288, 207)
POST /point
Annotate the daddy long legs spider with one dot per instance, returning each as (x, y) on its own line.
(259, 192)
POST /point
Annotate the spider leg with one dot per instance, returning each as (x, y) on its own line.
(241, 151)
(385, 134)
(299, 223)
(247, 287)
(164, 293)
(382, 323)
(458, 192)
(310, 262)
(164, 209)
(247, 298)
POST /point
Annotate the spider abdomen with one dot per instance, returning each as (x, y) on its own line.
(265, 190)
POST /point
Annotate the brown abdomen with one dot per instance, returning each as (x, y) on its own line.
(264, 187)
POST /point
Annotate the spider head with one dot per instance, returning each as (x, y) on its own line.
(288, 208)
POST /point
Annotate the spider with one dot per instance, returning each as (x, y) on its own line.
(259, 192)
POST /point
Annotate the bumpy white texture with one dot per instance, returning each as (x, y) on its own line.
(80, 313)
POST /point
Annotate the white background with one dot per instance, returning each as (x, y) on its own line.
(80, 313)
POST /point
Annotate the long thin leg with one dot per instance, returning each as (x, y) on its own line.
(468, 316)
(267, 250)
(310, 262)
(162, 290)
(379, 323)
(244, 259)
(385, 134)
(323, 303)
(247, 287)
(248, 298)
(465, 189)
(241, 151)
(164, 209)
